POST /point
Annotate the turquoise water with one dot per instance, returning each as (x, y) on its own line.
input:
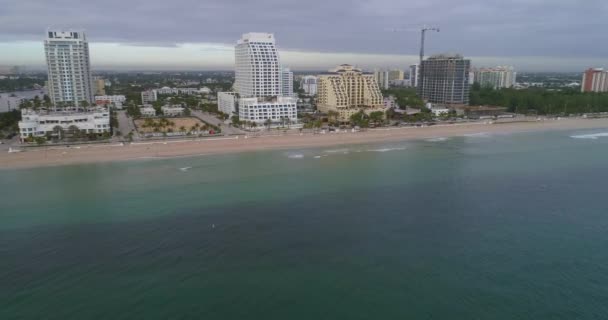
(477, 227)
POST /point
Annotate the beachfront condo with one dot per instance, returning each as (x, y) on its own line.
(263, 89)
(69, 69)
(347, 90)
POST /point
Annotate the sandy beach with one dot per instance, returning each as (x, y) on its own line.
(53, 156)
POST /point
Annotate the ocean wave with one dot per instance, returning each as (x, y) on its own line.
(438, 139)
(593, 136)
(386, 149)
(295, 156)
(337, 151)
(184, 169)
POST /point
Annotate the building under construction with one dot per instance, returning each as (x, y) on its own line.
(445, 80)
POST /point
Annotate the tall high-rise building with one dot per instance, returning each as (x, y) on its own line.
(347, 90)
(149, 96)
(257, 72)
(100, 87)
(286, 82)
(258, 82)
(394, 75)
(497, 77)
(595, 80)
(382, 77)
(69, 68)
(309, 85)
(445, 79)
(414, 75)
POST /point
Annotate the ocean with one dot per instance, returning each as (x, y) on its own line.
(485, 226)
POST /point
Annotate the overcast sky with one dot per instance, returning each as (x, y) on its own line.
(534, 35)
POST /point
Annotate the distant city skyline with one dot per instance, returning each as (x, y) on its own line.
(188, 34)
(213, 57)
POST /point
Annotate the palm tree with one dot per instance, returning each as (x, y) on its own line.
(333, 116)
(182, 129)
(59, 131)
(47, 104)
(73, 131)
(37, 102)
(84, 103)
(268, 122)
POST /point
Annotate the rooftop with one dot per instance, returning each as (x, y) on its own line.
(444, 56)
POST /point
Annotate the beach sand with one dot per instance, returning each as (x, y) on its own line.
(53, 156)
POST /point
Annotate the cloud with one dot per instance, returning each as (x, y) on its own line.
(503, 28)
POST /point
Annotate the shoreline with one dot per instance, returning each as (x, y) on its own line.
(91, 153)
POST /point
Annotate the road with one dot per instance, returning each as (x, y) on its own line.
(125, 124)
(211, 119)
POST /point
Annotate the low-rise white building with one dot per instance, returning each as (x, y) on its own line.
(390, 102)
(172, 111)
(147, 111)
(40, 123)
(259, 109)
(226, 102)
(438, 111)
(189, 91)
(8, 103)
(148, 97)
(115, 100)
(309, 85)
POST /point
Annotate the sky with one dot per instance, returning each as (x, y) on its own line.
(532, 35)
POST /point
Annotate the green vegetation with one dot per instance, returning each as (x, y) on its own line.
(113, 120)
(541, 101)
(236, 121)
(332, 117)
(425, 115)
(406, 97)
(133, 111)
(9, 123)
(360, 119)
(377, 117)
(160, 124)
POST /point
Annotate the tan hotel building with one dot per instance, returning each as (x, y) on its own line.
(347, 90)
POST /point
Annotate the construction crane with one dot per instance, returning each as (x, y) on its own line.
(422, 36)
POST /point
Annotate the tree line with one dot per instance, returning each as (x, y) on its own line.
(540, 101)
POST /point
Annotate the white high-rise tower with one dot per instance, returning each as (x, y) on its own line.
(69, 68)
(287, 83)
(261, 94)
(258, 67)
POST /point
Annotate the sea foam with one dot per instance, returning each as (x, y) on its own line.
(295, 156)
(386, 149)
(593, 136)
(337, 151)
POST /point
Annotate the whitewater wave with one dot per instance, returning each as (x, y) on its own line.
(295, 156)
(593, 136)
(438, 139)
(184, 169)
(337, 151)
(386, 149)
